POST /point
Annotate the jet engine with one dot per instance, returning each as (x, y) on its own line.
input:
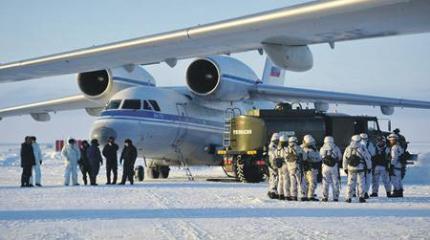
(99, 86)
(220, 78)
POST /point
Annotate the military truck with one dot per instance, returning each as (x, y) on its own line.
(247, 136)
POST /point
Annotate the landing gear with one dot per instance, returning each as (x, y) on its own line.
(158, 172)
(247, 171)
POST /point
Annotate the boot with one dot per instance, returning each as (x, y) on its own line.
(336, 200)
(388, 194)
(281, 197)
(288, 199)
(395, 194)
(348, 200)
(314, 199)
(304, 199)
(366, 196)
(324, 200)
(401, 193)
(374, 195)
(362, 200)
(293, 198)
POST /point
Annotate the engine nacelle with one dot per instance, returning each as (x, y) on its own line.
(387, 110)
(220, 78)
(101, 85)
(292, 58)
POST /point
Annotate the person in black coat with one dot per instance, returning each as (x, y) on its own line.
(84, 163)
(95, 160)
(110, 152)
(27, 162)
(129, 155)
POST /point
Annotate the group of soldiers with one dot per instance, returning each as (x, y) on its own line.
(294, 168)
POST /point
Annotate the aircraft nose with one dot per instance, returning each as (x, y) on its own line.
(102, 134)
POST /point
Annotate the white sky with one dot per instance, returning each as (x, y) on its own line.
(392, 67)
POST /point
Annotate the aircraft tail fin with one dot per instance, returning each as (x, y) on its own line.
(273, 75)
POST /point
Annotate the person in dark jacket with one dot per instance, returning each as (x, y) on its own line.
(129, 155)
(27, 162)
(110, 152)
(95, 160)
(84, 163)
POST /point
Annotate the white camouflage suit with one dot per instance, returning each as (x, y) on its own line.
(273, 170)
(71, 155)
(283, 175)
(380, 170)
(311, 175)
(355, 174)
(36, 168)
(371, 151)
(394, 155)
(330, 174)
(295, 170)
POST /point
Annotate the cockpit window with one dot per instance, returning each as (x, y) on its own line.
(155, 105)
(146, 105)
(114, 104)
(133, 104)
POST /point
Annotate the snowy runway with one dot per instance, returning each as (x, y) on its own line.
(178, 209)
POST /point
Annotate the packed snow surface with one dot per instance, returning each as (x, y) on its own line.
(178, 209)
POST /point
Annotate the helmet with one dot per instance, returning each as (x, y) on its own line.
(283, 139)
(393, 136)
(364, 136)
(328, 139)
(275, 137)
(396, 131)
(356, 138)
(308, 140)
(293, 140)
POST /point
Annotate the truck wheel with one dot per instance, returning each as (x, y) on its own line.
(248, 173)
(164, 171)
(153, 173)
(139, 173)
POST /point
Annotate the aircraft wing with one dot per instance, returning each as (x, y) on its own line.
(40, 111)
(311, 23)
(280, 94)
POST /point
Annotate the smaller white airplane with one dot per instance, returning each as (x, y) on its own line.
(184, 125)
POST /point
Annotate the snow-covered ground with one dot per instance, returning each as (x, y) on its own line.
(179, 209)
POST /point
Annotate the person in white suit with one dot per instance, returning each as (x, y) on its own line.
(37, 174)
(71, 155)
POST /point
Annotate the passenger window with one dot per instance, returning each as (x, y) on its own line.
(155, 105)
(114, 104)
(133, 104)
(146, 105)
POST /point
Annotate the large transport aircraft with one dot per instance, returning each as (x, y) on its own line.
(183, 125)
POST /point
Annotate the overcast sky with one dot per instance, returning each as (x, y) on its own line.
(392, 67)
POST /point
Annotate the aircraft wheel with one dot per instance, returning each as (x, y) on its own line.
(164, 171)
(153, 173)
(139, 173)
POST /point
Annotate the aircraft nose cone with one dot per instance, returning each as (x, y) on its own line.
(102, 134)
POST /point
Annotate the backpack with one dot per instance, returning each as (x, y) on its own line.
(329, 160)
(355, 159)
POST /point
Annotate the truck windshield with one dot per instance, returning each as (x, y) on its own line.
(372, 125)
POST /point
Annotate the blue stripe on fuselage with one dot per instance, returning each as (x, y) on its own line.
(160, 116)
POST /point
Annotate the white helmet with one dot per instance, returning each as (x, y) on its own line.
(364, 136)
(328, 139)
(356, 138)
(283, 139)
(393, 136)
(293, 140)
(308, 140)
(275, 137)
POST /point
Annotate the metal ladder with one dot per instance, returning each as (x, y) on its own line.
(184, 164)
(229, 114)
